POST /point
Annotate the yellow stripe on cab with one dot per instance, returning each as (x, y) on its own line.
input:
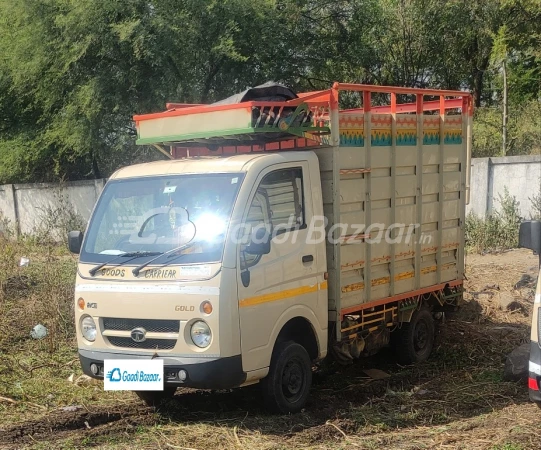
(281, 295)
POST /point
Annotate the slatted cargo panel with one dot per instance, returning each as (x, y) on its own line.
(398, 178)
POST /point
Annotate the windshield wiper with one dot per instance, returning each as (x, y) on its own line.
(131, 255)
(175, 255)
(169, 252)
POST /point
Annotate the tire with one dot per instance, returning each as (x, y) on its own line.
(287, 386)
(413, 342)
(154, 398)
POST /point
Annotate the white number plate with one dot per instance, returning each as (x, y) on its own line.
(133, 374)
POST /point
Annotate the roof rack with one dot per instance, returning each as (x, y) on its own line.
(300, 123)
(247, 123)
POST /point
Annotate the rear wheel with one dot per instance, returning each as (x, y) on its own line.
(287, 386)
(154, 398)
(414, 341)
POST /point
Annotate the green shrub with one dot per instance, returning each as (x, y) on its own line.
(497, 231)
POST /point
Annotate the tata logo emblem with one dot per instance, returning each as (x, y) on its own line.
(138, 335)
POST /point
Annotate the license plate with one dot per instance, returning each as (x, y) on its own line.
(133, 375)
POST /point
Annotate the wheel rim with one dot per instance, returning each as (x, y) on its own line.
(421, 336)
(293, 380)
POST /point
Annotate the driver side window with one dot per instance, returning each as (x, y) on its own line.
(277, 205)
(258, 217)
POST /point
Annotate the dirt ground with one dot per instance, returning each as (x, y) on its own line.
(456, 400)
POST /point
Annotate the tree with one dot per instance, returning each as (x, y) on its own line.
(80, 69)
(73, 72)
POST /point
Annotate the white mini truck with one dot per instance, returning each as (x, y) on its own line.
(279, 230)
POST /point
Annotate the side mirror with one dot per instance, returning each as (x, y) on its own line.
(245, 278)
(75, 239)
(261, 242)
(529, 235)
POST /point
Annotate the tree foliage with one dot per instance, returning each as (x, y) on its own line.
(73, 72)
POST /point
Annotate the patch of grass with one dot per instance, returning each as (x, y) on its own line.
(34, 373)
(491, 375)
(41, 293)
(37, 381)
(508, 447)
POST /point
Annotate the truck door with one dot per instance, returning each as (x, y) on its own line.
(286, 277)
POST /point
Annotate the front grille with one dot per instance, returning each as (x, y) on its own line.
(152, 325)
(149, 344)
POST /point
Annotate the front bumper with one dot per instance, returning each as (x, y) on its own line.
(534, 375)
(220, 373)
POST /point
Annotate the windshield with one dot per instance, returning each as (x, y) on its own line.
(158, 214)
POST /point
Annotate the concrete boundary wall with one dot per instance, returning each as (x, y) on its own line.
(521, 175)
(25, 205)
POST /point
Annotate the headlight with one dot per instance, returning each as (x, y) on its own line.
(200, 334)
(88, 328)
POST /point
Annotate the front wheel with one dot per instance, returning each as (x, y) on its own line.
(287, 386)
(413, 342)
(154, 398)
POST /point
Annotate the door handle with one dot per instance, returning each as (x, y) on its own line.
(307, 258)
